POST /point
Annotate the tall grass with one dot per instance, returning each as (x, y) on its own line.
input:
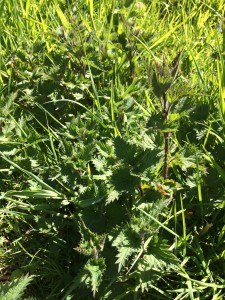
(84, 205)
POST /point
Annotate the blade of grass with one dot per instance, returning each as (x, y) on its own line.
(31, 175)
(83, 106)
(199, 186)
(184, 225)
(34, 194)
(91, 9)
(112, 106)
(62, 16)
(163, 37)
(212, 161)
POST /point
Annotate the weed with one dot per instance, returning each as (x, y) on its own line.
(112, 158)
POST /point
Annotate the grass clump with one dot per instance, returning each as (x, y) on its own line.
(112, 141)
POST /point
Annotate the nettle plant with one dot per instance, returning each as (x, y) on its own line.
(111, 186)
(96, 184)
(131, 214)
(174, 93)
(127, 200)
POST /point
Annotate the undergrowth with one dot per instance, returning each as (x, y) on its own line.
(112, 149)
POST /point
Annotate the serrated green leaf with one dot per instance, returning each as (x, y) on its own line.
(126, 243)
(123, 255)
(123, 180)
(124, 150)
(15, 289)
(91, 275)
(156, 263)
(112, 196)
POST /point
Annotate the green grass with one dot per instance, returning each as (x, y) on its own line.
(88, 95)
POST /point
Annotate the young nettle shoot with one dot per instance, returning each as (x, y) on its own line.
(163, 78)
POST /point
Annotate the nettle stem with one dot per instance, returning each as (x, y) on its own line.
(166, 110)
(167, 74)
(166, 154)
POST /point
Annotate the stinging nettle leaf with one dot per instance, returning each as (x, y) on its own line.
(123, 180)
(15, 289)
(124, 150)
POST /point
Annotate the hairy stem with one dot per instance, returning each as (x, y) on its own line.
(166, 154)
(166, 109)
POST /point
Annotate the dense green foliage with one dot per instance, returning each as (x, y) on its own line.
(89, 94)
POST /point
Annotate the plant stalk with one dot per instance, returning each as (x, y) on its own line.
(166, 109)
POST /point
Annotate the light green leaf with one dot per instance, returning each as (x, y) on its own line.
(15, 289)
(34, 194)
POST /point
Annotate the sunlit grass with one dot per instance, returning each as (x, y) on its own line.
(82, 141)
